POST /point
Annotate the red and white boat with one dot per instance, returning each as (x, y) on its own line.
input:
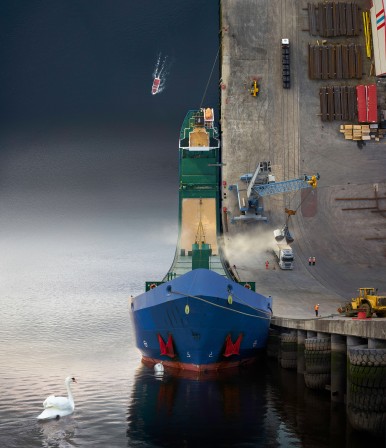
(155, 86)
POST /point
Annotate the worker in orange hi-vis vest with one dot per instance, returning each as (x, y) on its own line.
(317, 310)
(313, 261)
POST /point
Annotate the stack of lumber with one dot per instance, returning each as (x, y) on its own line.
(335, 61)
(331, 19)
(362, 132)
(338, 103)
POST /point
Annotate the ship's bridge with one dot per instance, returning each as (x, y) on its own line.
(199, 138)
(198, 132)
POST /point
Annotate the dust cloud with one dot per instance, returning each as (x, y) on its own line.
(249, 247)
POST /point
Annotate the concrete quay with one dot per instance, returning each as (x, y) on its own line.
(373, 330)
(283, 126)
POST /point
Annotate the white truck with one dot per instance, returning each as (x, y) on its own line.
(285, 256)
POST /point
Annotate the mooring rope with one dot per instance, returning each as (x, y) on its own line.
(210, 76)
(223, 307)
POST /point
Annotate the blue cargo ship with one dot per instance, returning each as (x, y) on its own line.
(200, 317)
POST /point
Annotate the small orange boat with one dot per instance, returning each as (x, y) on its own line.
(155, 86)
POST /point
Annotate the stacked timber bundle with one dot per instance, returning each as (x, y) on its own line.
(330, 19)
(362, 132)
(338, 103)
(335, 61)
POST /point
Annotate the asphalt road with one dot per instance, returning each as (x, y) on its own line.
(283, 126)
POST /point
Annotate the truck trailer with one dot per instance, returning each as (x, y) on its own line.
(285, 256)
(285, 59)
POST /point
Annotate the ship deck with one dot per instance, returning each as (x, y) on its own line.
(193, 211)
(183, 264)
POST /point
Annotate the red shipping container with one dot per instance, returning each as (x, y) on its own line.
(367, 103)
(372, 113)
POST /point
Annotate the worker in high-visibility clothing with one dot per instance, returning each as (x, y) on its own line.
(317, 309)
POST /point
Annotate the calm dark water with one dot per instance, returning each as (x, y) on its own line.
(88, 212)
(70, 316)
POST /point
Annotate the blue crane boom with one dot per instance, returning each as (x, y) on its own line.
(286, 186)
(262, 183)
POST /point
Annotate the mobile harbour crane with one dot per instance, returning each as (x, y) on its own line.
(263, 183)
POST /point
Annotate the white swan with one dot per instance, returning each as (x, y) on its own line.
(55, 407)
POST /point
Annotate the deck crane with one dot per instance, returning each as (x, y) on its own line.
(262, 183)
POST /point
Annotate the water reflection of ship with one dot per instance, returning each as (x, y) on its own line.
(180, 411)
(260, 407)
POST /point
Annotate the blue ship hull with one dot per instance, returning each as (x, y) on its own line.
(201, 321)
(200, 316)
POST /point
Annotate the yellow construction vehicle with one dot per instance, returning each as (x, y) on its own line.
(368, 302)
(254, 88)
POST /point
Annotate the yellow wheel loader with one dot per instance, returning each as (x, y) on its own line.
(368, 301)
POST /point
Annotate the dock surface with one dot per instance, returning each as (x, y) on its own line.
(284, 127)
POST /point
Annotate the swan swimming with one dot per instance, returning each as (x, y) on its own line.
(55, 407)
